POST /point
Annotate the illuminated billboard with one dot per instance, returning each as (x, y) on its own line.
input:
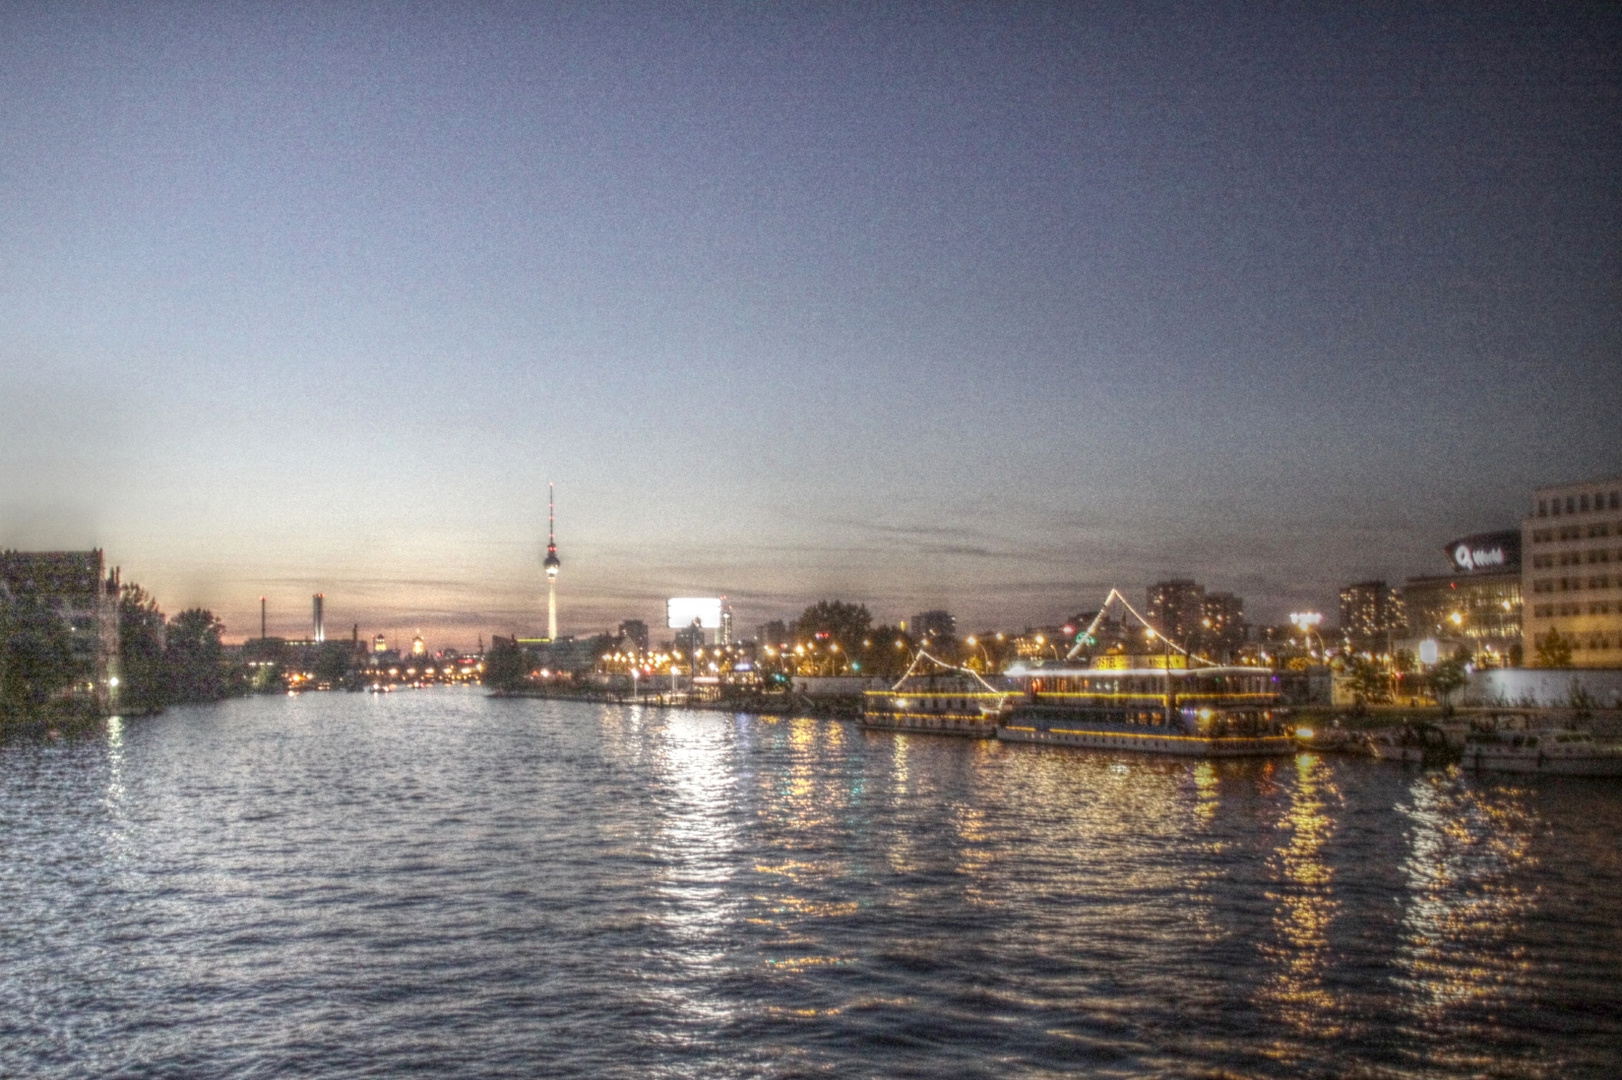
(1495, 552)
(682, 611)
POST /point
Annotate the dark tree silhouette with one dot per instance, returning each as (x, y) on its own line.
(36, 654)
(506, 667)
(192, 656)
(142, 675)
(844, 624)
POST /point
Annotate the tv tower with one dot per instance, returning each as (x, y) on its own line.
(552, 565)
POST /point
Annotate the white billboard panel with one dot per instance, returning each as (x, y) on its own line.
(682, 610)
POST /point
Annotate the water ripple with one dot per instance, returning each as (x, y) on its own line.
(443, 884)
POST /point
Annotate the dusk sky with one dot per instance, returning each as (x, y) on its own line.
(984, 307)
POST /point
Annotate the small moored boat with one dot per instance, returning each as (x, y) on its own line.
(1412, 744)
(1555, 752)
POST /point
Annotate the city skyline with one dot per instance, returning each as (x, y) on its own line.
(988, 310)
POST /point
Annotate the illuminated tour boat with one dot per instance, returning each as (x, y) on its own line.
(947, 701)
(1175, 703)
(1218, 711)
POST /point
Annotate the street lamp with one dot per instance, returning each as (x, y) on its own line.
(1043, 645)
(1307, 622)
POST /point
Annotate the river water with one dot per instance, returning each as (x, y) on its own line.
(437, 883)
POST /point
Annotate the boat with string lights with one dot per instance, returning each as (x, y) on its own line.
(1177, 703)
(937, 698)
(1217, 711)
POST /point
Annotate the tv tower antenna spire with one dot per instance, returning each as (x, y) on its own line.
(552, 565)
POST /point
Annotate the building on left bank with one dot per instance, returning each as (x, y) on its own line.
(85, 593)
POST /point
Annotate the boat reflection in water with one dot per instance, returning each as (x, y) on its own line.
(1470, 887)
(1299, 952)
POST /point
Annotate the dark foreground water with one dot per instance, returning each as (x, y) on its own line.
(435, 883)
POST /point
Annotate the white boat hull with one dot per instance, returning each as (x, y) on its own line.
(1149, 743)
(1549, 764)
(968, 727)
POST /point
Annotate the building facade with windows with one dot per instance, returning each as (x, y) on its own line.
(1572, 574)
(1175, 607)
(1478, 605)
(85, 594)
(1222, 631)
(1211, 624)
(1372, 616)
(931, 625)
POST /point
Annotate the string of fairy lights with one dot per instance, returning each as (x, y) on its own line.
(1086, 636)
(925, 655)
(1082, 639)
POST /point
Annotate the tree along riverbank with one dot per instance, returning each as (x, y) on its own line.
(45, 684)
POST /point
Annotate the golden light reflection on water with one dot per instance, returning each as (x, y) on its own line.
(1299, 953)
(114, 797)
(1202, 869)
(976, 854)
(901, 852)
(867, 1002)
(1468, 864)
(798, 807)
(1206, 796)
(694, 847)
(1114, 847)
(807, 807)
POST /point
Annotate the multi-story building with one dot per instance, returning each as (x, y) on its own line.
(1372, 615)
(79, 586)
(1477, 606)
(1176, 607)
(1573, 573)
(931, 624)
(563, 655)
(1209, 624)
(1222, 630)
